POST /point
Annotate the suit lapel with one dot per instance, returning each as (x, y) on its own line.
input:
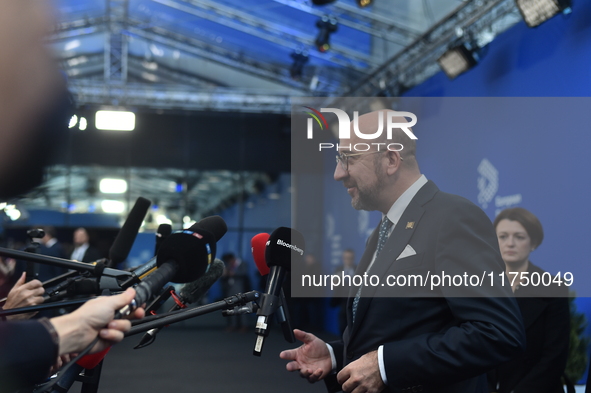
(396, 243)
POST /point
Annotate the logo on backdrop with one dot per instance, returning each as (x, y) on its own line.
(386, 123)
(488, 182)
(488, 185)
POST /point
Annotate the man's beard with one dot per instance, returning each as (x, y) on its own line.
(368, 198)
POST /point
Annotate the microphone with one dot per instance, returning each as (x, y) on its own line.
(258, 248)
(128, 232)
(193, 291)
(143, 270)
(87, 362)
(190, 293)
(284, 247)
(214, 224)
(183, 257)
(163, 231)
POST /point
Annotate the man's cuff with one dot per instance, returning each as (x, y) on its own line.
(333, 360)
(381, 364)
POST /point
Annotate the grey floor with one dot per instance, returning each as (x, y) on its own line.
(199, 356)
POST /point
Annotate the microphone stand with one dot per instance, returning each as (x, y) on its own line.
(109, 278)
(43, 307)
(158, 321)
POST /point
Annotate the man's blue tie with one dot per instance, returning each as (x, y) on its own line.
(382, 238)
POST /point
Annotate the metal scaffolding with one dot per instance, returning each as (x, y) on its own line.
(477, 20)
(89, 92)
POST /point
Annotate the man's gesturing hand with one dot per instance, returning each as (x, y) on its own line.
(312, 358)
(362, 375)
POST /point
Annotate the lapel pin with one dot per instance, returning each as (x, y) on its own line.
(410, 225)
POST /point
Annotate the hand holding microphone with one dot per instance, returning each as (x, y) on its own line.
(24, 294)
(94, 318)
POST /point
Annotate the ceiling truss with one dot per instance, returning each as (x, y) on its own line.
(477, 20)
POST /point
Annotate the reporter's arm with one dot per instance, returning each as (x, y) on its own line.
(94, 318)
(27, 352)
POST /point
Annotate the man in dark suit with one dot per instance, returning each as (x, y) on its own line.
(50, 246)
(412, 338)
(83, 251)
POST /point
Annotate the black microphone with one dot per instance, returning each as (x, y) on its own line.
(163, 231)
(128, 232)
(183, 257)
(145, 269)
(190, 293)
(259, 247)
(214, 224)
(193, 291)
(284, 247)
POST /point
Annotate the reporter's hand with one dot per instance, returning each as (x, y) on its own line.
(95, 317)
(312, 359)
(24, 294)
(61, 360)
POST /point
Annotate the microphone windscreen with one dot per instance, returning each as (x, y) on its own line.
(258, 246)
(285, 246)
(126, 236)
(91, 361)
(193, 251)
(163, 231)
(213, 224)
(195, 290)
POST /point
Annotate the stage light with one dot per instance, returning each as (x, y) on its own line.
(535, 12)
(12, 212)
(113, 186)
(364, 3)
(326, 26)
(115, 120)
(162, 219)
(458, 60)
(110, 206)
(73, 121)
(299, 61)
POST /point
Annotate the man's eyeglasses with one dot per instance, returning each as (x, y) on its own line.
(343, 158)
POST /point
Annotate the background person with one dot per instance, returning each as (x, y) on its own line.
(235, 280)
(545, 311)
(83, 251)
(50, 246)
